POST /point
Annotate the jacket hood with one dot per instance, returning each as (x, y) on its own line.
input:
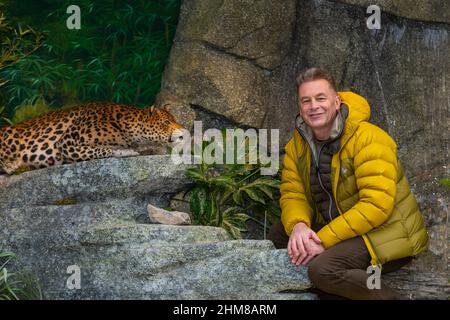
(358, 110)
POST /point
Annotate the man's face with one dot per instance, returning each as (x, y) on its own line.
(319, 104)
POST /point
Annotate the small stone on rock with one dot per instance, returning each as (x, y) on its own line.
(158, 215)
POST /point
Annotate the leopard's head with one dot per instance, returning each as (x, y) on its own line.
(162, 125)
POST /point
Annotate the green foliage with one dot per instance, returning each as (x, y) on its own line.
(30, 111)
(445, 182)
(16, 286)
(16, 43)
(118, 54)
(36, 78)
(227, 195)
(4, 118)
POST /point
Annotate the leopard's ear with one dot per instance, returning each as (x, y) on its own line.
(167, 107)
(152, 108)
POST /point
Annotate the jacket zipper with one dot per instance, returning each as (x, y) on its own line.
(321, 183)
(372, 253)
(316, 163)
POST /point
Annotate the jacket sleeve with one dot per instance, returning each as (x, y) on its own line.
(293, 202)
(375, 164)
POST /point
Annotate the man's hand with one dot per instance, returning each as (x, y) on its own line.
(302, 240)
(313, 249)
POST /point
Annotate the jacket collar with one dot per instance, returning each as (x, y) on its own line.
(336, 130)
(333, 142)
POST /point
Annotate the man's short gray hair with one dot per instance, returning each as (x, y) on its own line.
(312, 74)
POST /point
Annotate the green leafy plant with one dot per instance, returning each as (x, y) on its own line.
(36, 78)
(29, 111)
(227, 195)
(16, 286)
(16, 43)
(118, 55)
(4, 118)
(445, 182)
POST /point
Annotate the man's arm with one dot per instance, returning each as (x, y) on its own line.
(294, 205)
(296, 213)
(375, 163)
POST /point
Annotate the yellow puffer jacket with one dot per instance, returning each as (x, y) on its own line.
(372, 194)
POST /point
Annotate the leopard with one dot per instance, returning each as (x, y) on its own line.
(89, 131)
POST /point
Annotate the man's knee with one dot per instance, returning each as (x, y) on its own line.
(320, 272)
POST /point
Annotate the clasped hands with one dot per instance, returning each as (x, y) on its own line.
(304, 244)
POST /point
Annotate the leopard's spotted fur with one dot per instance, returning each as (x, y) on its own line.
(90, 131)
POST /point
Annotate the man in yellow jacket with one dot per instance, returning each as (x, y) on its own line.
(346, 203)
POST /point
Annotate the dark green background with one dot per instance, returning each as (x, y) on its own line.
(118, 55)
